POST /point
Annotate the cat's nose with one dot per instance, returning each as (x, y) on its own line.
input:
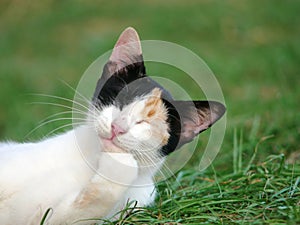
(116, 129)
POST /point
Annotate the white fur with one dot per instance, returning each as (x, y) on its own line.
(57, 172)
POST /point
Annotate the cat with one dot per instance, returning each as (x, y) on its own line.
(93, 170)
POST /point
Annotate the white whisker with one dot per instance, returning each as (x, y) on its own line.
(65, 99)
(76, 91)
(61, 127)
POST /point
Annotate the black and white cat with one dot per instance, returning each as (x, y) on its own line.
(92, 171)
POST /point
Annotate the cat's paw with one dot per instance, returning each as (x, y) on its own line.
(121, 168)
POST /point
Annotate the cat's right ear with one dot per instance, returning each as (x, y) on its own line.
(190, 118)
(127, 53)
(196, 117)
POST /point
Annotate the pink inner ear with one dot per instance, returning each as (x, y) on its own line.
(128, 35)
(127, 46)
(191, 129)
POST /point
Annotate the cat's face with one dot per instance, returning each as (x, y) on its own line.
(139, 127)
(133, 113)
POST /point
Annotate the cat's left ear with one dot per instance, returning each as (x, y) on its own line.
(197, 116)
(127, 53)
(125, 65)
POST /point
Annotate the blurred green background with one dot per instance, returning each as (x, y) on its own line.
(252, 47)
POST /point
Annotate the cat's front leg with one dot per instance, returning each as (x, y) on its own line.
(114, 175)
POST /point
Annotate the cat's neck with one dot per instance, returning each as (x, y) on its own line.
(83, 140)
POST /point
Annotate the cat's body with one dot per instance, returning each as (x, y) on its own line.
(55, 177)
(93, 170)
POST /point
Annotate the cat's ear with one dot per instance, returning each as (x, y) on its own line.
(124, 66)
(127, 47)
(197, 116)
(127, 53)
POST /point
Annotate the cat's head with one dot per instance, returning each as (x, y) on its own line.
(133, 113)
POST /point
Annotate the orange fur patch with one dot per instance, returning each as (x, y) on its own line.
(88, 196)
(154, 97)
(151, 113)
(165, 139)
(154, 106)
(156, 113)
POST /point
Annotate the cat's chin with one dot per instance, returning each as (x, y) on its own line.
(110, 146)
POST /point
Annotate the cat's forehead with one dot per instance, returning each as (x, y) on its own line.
(121, 93)
(149, 100)
(142, 87)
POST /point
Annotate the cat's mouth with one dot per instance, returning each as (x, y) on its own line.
(110, 146)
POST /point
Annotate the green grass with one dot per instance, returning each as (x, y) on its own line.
(265, 193)
(253, 49)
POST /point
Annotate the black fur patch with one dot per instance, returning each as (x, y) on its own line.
(124, 86)
(110, 86)
(175, 129)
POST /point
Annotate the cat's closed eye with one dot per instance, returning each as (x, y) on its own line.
(141, 121)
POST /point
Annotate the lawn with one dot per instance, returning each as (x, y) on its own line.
(253, 49)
